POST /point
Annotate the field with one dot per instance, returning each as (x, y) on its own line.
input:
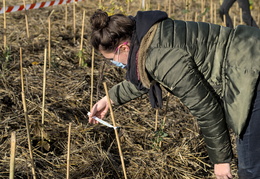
(175, 150)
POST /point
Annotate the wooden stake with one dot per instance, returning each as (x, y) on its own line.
(12, 156)
(156, 119)
(44, 84)
(225, 20)
(241, 16)
(215, 14)
(68, 154)
(74, 22)
(211, 12)
(170, 9)
(196, 17)
(202, 2)
(26, 116)
(26, 20)
(4, 25)
(234, 20)
(186, 8)
(82, 37)
(116, 132)
(92, 78)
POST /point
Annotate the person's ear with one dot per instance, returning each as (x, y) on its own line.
(125, 48)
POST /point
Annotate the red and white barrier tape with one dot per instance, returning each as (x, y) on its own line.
(36, 5)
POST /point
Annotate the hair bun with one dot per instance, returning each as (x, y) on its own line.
(99, 20)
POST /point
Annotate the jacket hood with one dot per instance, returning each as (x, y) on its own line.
(146, 19)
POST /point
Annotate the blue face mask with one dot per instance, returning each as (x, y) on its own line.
(118, 64)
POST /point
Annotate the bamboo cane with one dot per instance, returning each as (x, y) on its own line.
(215, 14)
(170, 8)
(74, 22)
(44, 84)
(211, 11)
(234, 20)
(116, 132)
(241, 14)
(26, 116)
(186, 9)
(225, 20)
(156, 119)
(12, 157)
(196, 17)
(92, 77)
(68, 155)
(66, 15)
(82, 37)
(26, 20)
(4, 25)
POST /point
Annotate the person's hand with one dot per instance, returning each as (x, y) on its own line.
(99, 110)
(222, 171)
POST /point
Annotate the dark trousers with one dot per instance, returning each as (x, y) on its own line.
(248, 145)
(246, 14)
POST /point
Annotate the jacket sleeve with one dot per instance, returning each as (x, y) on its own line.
(176, 70)
(124, 92)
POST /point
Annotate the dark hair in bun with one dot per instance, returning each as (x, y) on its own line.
(109, 31)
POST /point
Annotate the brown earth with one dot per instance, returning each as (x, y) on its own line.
(94, 151)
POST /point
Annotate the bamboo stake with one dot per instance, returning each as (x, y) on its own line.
(26, 116)
(225, 20)
(68, 155)
(143, 4)
(196, 17)
(240, 14)
(92, 77)
(82, 37)
(74, 22)
(202, 2)
(26, 20)
(186, 8)
(116, 132)
(49, 38)
(44, 84)
(156, 119)
(170, 9)
(12, 157)
(4, 25)
(211, 11)
(215, 14)
(234, 20)
(258, 17)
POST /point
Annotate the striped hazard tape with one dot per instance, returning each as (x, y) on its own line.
(36, 5)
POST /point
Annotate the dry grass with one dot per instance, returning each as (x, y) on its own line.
(94, 152)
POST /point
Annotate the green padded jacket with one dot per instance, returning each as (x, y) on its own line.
(212, 69)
